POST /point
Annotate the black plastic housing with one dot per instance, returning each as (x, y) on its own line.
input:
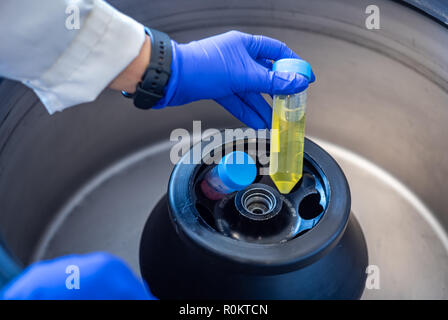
(183, 257)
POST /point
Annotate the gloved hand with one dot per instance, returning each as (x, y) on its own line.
(101, 276)
(232, 68)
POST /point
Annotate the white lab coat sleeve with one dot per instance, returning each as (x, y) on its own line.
(66, 66)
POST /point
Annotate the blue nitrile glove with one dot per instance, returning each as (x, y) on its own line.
(101, 276)
(232, 68)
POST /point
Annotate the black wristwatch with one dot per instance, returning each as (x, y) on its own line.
(151, 89)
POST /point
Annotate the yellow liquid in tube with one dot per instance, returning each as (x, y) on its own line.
(287, 140)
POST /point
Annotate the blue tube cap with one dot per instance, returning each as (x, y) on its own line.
(237, 170)
(294, 65)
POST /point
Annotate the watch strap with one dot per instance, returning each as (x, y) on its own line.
(151, 89)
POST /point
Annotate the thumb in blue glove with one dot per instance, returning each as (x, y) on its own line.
(232, 68)
(101, 276)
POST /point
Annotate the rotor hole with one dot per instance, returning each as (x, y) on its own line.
(310, 207)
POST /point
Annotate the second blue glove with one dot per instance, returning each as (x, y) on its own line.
(101, 276)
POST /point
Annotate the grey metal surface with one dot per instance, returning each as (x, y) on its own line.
(436, 8)
(380, 106)
(404, 241)
(412, 259)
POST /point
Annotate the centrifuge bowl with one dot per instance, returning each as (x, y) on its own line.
(85, 179)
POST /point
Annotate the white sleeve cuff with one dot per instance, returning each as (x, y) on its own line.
(105, 45)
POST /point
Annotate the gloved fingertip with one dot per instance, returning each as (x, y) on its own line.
(300, 83)
(254, 123)
(313, 77)
(291, 54)
(268, 121)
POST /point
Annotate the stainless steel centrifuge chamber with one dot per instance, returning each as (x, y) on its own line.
(86, 179)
